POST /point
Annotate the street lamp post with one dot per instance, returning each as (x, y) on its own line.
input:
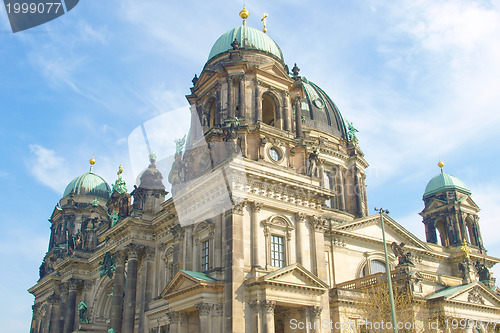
(388, 271)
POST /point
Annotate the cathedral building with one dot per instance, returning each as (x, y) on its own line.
(266, 228)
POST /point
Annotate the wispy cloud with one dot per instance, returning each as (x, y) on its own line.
(48, 168)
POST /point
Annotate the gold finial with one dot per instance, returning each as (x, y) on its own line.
(244, 14)
(441, 165)
(120, 171)
(92, 162)
(466, 249)
(263, 19)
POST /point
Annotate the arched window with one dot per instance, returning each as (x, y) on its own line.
(268, 110)
(443, 233)
(211, 113)
(372, 267)
(470, 229)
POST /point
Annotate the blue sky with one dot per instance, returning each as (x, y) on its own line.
(419, 79)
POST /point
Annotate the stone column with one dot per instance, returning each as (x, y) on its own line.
(241, 104)
(340, 186)
(357, 189)
(131, 289)
(314, 316)
(117, 298)
(218, 254)
(63, 290)
(287, 317)
(256, 207)
(69, 318)
(255, 320)
(217, 318)
(146, 293)
(299, 230)
(204, 314)
(175, 321)
(298, 118)
(286, 113)
(188, 261)
(230, 94)
(268, 315)
(258, 102)
(52, 301)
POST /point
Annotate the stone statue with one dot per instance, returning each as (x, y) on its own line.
(43, 269)
(482, 271)
(204, 119)
(179, 144)
(114, 218)
(404, 258)
(82, 312)
(107, 265)
(351, 132)
(468, 275)
(313, 160)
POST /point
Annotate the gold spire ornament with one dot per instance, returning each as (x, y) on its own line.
(92, 162)
(466, 249)
(441, 165)
(244, 14)
(263, 19)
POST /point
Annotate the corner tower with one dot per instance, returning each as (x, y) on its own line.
(451, 212)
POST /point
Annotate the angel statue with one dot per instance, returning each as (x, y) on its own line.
(351, 132)
(179, 144)
(404, 258)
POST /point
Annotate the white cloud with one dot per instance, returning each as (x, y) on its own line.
(48, 168)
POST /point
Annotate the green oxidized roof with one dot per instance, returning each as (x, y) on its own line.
(443, 182)
(198, 275)
(254, 39)
(88, 184)
(320, 111)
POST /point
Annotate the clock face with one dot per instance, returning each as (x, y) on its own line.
(275, 154)
(319, 103)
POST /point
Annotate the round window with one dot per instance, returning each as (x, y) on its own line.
(275, 154)
(319, 103)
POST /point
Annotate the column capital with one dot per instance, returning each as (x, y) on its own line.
(204, 308)
(257, 206)
(317, 223)
(149, 253)
(120, 256)
(73, 284)
(314, 311)
(174, 316)
(268, 306)
(53, 299)
(301, 217)
(218, 309)
(238, 208)
(134, 250)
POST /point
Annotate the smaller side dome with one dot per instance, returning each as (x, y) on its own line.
(88, 184)
(152, 179)
(254, 39)
(443, 182)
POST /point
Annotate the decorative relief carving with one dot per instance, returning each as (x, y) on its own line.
(204, 308)
(475, 297)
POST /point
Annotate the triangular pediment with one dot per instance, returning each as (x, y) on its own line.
(274, 70)
(469, 203)
(185, 280)
(294, 275)
(435, 204)
(370, 229)
(475, 293)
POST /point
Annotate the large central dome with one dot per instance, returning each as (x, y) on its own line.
(249, 38)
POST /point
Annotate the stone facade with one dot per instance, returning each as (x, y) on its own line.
(267, 225)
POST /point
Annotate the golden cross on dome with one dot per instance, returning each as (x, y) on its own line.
(466, 249)
(263, 19)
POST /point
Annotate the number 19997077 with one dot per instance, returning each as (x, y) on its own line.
(33, 8)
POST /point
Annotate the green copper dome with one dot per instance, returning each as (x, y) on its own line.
(253, 39)
(443, 182)
(88, 184)
(320, 112)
